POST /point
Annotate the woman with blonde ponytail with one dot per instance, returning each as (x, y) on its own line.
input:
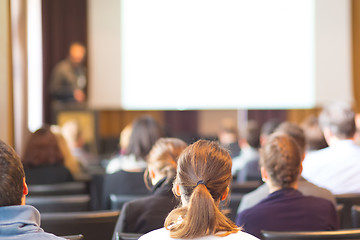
(202, 180)
(146, 214)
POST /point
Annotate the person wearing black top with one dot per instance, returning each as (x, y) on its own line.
(146, 214)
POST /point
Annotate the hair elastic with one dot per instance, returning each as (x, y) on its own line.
(200, 182)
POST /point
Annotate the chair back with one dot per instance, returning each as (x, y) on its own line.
(318, 235)
(117, 201)
(122, 183)
(233, 205)
(70, 203)
(355, 215)
(74, 237)
(68, 188)
(348, 200)
(128, 236)
(340, 213)
(244, 187)
(92, 225)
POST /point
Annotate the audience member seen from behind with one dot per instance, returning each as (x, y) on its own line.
(145, 132)
(18, 221)
(43, 160)
(286, 208)
(267, 129)
(336, 167)
(125, 139)
(246, 165)
(315, 139)
(228, 137)
(125, 173)
(71, 130)
(69, 160)
(238, 168)
(146, 214)
(202, 181)
(305, 187)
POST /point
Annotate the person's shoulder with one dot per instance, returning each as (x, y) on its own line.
(41, 236)
(161, 233)
(233, 236)
(317, 154)
(310, 189)
(240, 235)
(62, 65)
(258, 194)
(318, 203)
(138, 203)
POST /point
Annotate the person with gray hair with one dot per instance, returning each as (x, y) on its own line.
(336, 167)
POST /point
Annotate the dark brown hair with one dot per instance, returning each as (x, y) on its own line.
(11, 176)
(163, 157)
(253, 134)
(281, 158)
(315, 139)
(203, 174)
(145, 132)
(42, 148)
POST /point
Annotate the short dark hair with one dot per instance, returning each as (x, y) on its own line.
(11, 176)
(281, 158)
(145, 132)
(253, 134)
(339, 118)
(294, 131)
(315, 139)
(269, 126)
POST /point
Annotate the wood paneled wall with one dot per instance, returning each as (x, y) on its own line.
(356, 52)
(111, 122)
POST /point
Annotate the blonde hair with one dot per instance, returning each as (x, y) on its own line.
(163, 158)
(70, 161)
(204, 174)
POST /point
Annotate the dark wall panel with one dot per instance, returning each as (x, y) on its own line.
(63, 22)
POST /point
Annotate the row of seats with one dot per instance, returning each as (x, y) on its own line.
(65, 199)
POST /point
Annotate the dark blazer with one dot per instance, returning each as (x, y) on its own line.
(288, 210)
(123, 182)
(48, 174)
(149, 213)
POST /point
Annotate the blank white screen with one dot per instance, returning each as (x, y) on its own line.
(217, 54)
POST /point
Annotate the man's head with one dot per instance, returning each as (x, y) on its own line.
(228, 132)
(338, 120)
(314, 136)
(253, 134)
(267, 129)
(294, 131)
(77, 53)
(12, 183)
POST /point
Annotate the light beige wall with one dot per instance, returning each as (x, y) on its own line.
(5, 129)
(104, 53)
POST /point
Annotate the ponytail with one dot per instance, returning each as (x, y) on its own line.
(200, 217)
(204, 175)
